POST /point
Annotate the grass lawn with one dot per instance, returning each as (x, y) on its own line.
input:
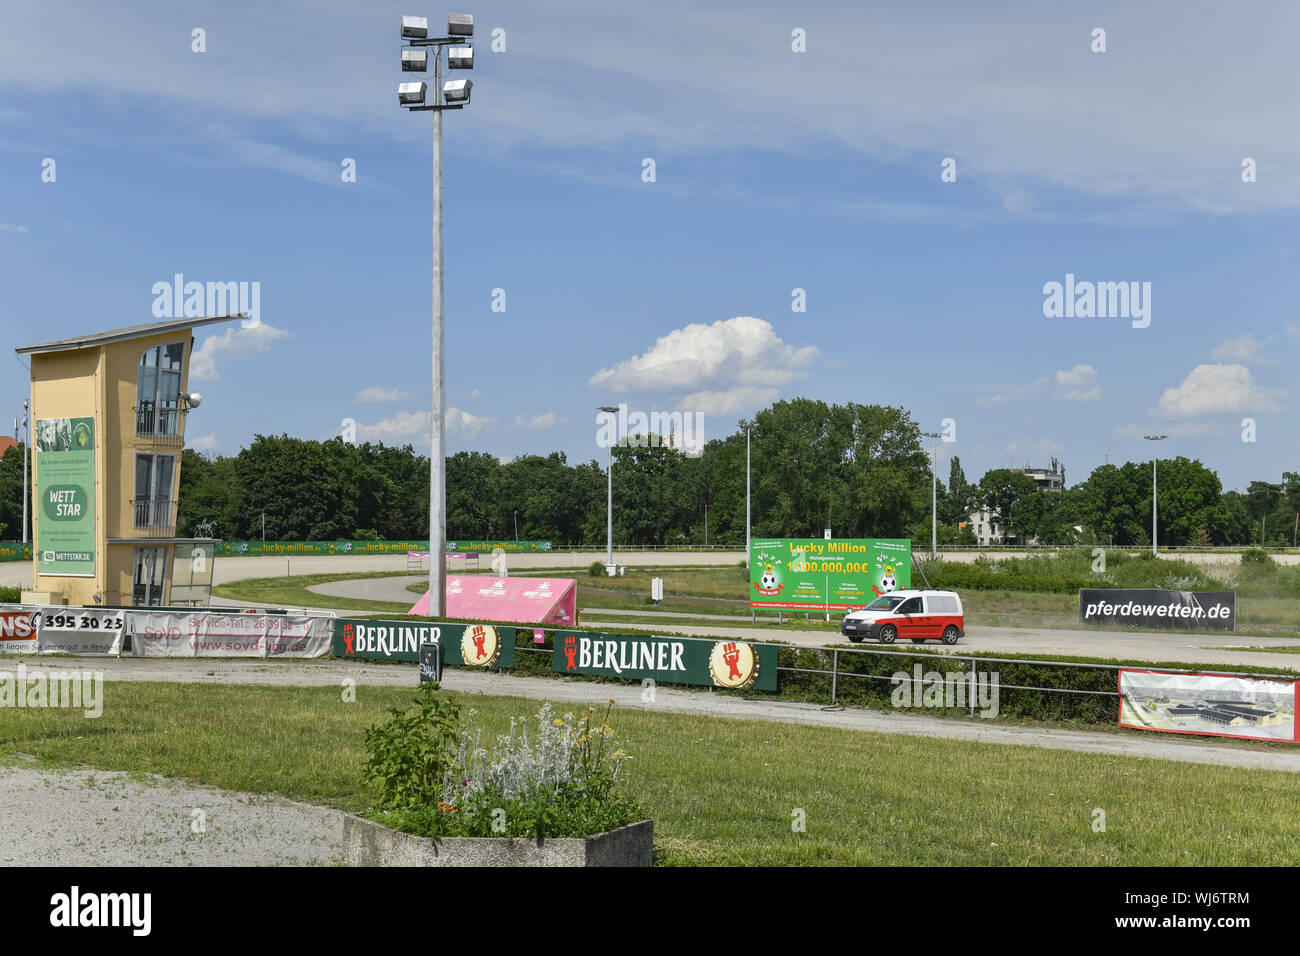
(292, 591)
(726, 791)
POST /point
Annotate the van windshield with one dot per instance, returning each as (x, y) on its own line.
(886, 603)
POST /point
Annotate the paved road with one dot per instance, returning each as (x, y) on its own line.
(321, 673)
(1120, 645)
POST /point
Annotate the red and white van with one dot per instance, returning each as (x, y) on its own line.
(912, 614)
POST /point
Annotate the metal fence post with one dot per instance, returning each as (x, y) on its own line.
(971, 695)
(835, 672)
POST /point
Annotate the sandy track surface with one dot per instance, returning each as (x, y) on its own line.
(100, 818)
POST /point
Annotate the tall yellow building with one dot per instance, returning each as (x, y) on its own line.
(109, 412)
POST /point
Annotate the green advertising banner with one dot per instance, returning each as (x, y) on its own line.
(836, 574)
(15, 551)
(667, 660)
(463, 645)
(280, 548)
(65, 492)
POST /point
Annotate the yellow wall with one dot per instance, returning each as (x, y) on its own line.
(101, 381)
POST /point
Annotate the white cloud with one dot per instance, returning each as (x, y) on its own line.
(1244, 348)
(545, 420)
(1079, 384)
(6, 227)
(732, 401)
(202, 442)
(413, 427)
(743, 351)
(235, 342)
(461, 422)
(376, 394)
(1034, 451)
(1215, 389)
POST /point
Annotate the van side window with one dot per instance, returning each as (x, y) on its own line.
(943, 604)
(910, 606)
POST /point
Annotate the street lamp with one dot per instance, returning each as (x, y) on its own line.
(415, 59)
(934, 494)
(1153, 439)
(748, 426)
(609, 505)
(27, 451)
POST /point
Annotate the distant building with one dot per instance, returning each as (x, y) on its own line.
(986, 523)
(5, 444)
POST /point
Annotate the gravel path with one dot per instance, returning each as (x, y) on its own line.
(101, 818)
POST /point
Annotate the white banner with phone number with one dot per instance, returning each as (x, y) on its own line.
(54, 629)
(213, 634)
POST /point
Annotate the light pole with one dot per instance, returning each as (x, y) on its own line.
(27, 446)
(748, 426)
(453, 95)
(1153, 439)
(934, 494)
(609, 502)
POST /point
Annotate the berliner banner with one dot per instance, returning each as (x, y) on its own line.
(463, 645)
(668, 660)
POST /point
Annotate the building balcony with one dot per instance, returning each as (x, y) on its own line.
(159, 425)
(154, 518)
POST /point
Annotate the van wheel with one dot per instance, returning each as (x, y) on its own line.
(888, 634)
(950, 635)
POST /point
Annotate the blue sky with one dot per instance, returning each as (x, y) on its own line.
(775, 170)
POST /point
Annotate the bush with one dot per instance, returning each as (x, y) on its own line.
(596, 569)
(411, 754)
(10, 595)
(436, 779)
(1258, 558)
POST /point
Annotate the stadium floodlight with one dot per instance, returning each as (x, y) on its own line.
(457, 91)
(609, 474)
(453, 95)
(415, 28)
(460, 57)
(1153, 439)
(411, 94)
(193, 399)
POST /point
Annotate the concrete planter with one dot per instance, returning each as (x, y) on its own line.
(366, 843)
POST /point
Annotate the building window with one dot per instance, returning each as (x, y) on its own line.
(158, 390)
(153, 491)
(149, 579)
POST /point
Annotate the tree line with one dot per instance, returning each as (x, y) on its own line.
(860, 470)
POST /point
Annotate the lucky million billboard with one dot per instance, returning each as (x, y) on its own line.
(837, 574)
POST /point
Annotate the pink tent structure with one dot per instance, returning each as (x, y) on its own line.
(482, 597)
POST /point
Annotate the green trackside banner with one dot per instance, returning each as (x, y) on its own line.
(837, 574)
(65, 492)
(15, 551)
(463, 645)
(667, 660)
(281, 548)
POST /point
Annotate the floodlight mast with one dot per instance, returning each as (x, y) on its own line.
(415, 31)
